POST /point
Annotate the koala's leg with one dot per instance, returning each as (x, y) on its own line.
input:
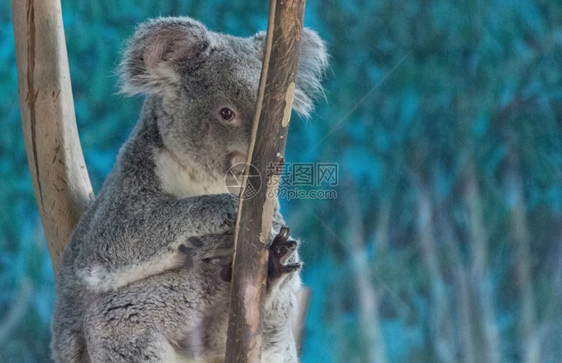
(280, 311)
(281, 303)
(145, 346)
(67, 344)
(153, 320)
(125, 328)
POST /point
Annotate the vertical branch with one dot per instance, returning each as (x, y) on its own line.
(369, 320)
(269, 135)
(60, 179)
(520, 238)
(382, 225)
(441, 328)
(479, 266)
(466, 318)
(551, 326)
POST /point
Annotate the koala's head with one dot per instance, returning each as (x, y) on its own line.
(207, 85)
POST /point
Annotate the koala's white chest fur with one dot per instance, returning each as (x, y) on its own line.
(185, 179)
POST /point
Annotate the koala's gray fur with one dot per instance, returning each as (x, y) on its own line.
(140, 279)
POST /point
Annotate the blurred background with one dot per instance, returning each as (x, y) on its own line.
(443, 242)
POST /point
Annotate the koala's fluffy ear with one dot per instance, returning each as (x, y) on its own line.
(154, 53)
(313, 60)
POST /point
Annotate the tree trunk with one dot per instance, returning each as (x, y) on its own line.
(372, 339)
(523, 258)
(253, 225)
(440, 321)
(60, 179)
(467, 352)
(479, 266)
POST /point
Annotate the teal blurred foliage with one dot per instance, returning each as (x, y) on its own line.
(443, 243)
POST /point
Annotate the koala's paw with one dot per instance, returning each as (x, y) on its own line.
(280, 252)
(188, 255)
(226, 272)
(208, 249)
(227, 209)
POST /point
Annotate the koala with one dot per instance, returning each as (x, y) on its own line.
(145, 276)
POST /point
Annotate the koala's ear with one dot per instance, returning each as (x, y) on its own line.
(154, 53)
(313, 61)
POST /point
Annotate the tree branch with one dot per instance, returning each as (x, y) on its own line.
(60, 179)
(269, 135)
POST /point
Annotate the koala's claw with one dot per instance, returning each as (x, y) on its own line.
(290, 268)
(188, 254)
(226, 273)
(280, 251)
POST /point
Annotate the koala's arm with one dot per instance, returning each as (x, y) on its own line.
(126, 245)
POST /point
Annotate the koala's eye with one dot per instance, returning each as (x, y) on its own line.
(226, 113)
